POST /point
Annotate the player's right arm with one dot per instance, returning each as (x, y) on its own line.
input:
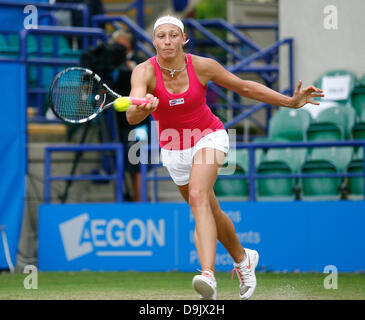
(140, 80)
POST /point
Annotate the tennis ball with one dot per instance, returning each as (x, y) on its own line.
(121, 104)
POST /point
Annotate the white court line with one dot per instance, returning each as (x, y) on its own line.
(124, 253)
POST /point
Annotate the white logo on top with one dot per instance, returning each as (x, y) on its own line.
(82, 235)
(176, 102)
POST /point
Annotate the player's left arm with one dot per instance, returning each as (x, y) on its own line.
(254, 90)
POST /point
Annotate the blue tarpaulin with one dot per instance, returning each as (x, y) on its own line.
(13, 132)
(13, 155)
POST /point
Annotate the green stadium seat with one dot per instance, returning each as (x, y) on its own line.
(233, 189)
(6, 48)
(279, 189)
(358, 131)
(356, 184)
(337, 85)
(71, 54)
(47, 74)
(279, 161)
(260, 152)
(292, 157)
(332, 124)
(322, 161)
(46, 45)
(289, 125)
(286, 125)
(14, 44)
(358, 97)
(13, 40)
(3, 44)
(358, 103)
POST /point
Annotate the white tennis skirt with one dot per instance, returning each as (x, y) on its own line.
(179, 162)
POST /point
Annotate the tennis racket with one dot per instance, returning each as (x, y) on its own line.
(78, 95)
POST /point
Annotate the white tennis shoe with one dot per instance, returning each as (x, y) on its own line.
(206, 285)
(246, 273)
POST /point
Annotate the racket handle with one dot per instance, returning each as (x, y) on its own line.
(138, 101)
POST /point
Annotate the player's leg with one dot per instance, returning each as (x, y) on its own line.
(184, 191)
(207, 161)
(244, 264)
(179, 165)
(203, 175)
(226, 233)
(245, 260)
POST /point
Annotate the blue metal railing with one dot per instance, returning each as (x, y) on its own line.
(246, 66)
(222, 24)
(142, 36)
(228, 46)
(252, 176)
(119, 170)
(138, 5)
(56, 31)
(196, 25)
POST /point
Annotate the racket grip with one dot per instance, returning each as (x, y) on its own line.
(138, 101)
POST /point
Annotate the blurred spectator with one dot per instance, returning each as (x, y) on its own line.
(113, 62)
(123, 87)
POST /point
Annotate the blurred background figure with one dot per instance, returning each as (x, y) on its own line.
(114, 61)
(128, 134)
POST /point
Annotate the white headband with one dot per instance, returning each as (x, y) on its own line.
(171, 20)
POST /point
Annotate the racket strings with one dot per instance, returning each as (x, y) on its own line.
(77, 96)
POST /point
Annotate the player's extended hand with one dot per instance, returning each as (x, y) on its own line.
(151, 105)
(304, 96)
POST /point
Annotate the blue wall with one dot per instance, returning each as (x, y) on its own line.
(13, 154)
(292, 236)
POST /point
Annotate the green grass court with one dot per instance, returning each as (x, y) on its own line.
(176, 286)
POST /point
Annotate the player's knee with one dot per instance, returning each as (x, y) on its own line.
(197, 197)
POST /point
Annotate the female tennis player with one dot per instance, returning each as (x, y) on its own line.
(194, 142)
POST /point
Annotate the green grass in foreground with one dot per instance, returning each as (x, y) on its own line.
(175, 286)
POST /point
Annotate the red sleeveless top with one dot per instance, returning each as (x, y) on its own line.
(184, 118)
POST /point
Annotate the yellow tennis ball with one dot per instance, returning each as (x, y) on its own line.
(121, 104)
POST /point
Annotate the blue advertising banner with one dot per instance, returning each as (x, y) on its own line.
(108, 237)
(12, 160)
(300, 236)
